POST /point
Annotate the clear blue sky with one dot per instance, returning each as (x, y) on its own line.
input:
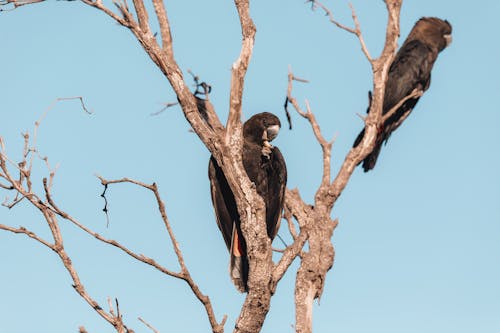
(417, 248)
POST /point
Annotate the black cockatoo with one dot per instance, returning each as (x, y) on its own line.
(411, 69)
(265, 167)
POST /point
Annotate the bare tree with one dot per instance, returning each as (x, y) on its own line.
(225, 144)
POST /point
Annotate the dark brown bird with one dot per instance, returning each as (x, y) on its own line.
(411, 69)
(265, 167)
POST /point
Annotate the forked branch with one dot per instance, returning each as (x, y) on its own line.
(56, 244)
(356, 30)
(184, 272)
(326, 146)
(318, 260)
(380, 69)
(50, 210)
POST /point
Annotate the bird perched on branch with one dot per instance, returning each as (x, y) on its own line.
(410, 71)
(265, 167)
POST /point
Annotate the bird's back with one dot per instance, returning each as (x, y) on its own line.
(411, 69)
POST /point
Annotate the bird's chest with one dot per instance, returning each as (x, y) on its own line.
(257, 165)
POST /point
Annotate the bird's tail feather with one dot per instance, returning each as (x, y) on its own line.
(359, 138)
(370, 160)
(238, 265)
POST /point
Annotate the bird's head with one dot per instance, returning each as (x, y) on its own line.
(261, 128)
(433, 30)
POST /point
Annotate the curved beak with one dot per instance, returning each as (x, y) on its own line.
(448, 39)
(272, 132)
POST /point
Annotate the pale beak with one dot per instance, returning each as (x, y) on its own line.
(448, 39)
(272, 132)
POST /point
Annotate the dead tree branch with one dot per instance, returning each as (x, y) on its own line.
(184, 272)
(148, 325)
(239, 68)
(356, 31)
(326, 146)
(16, 3)
(380, 68)
(50, 210)
(319, 259)
(30, 234)
(57, 244)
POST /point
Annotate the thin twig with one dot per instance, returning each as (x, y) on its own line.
(6, 187)
(296, 207)
(289, 255)
(166, 106)
(184, 273)
(148, 325)
(325, 145)
(29, 233)
(139, 257)
(57, 246)
(16, 3)
(414, 94)
(99, 5)
(33, 147)
(356, 31)
(14, 201)
(287, 215)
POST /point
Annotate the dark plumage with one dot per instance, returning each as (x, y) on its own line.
(411, 69)
(265, 167)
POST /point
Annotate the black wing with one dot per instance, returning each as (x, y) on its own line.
(275, 198)
(226, 211)
(269, 176)
(410, 70)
